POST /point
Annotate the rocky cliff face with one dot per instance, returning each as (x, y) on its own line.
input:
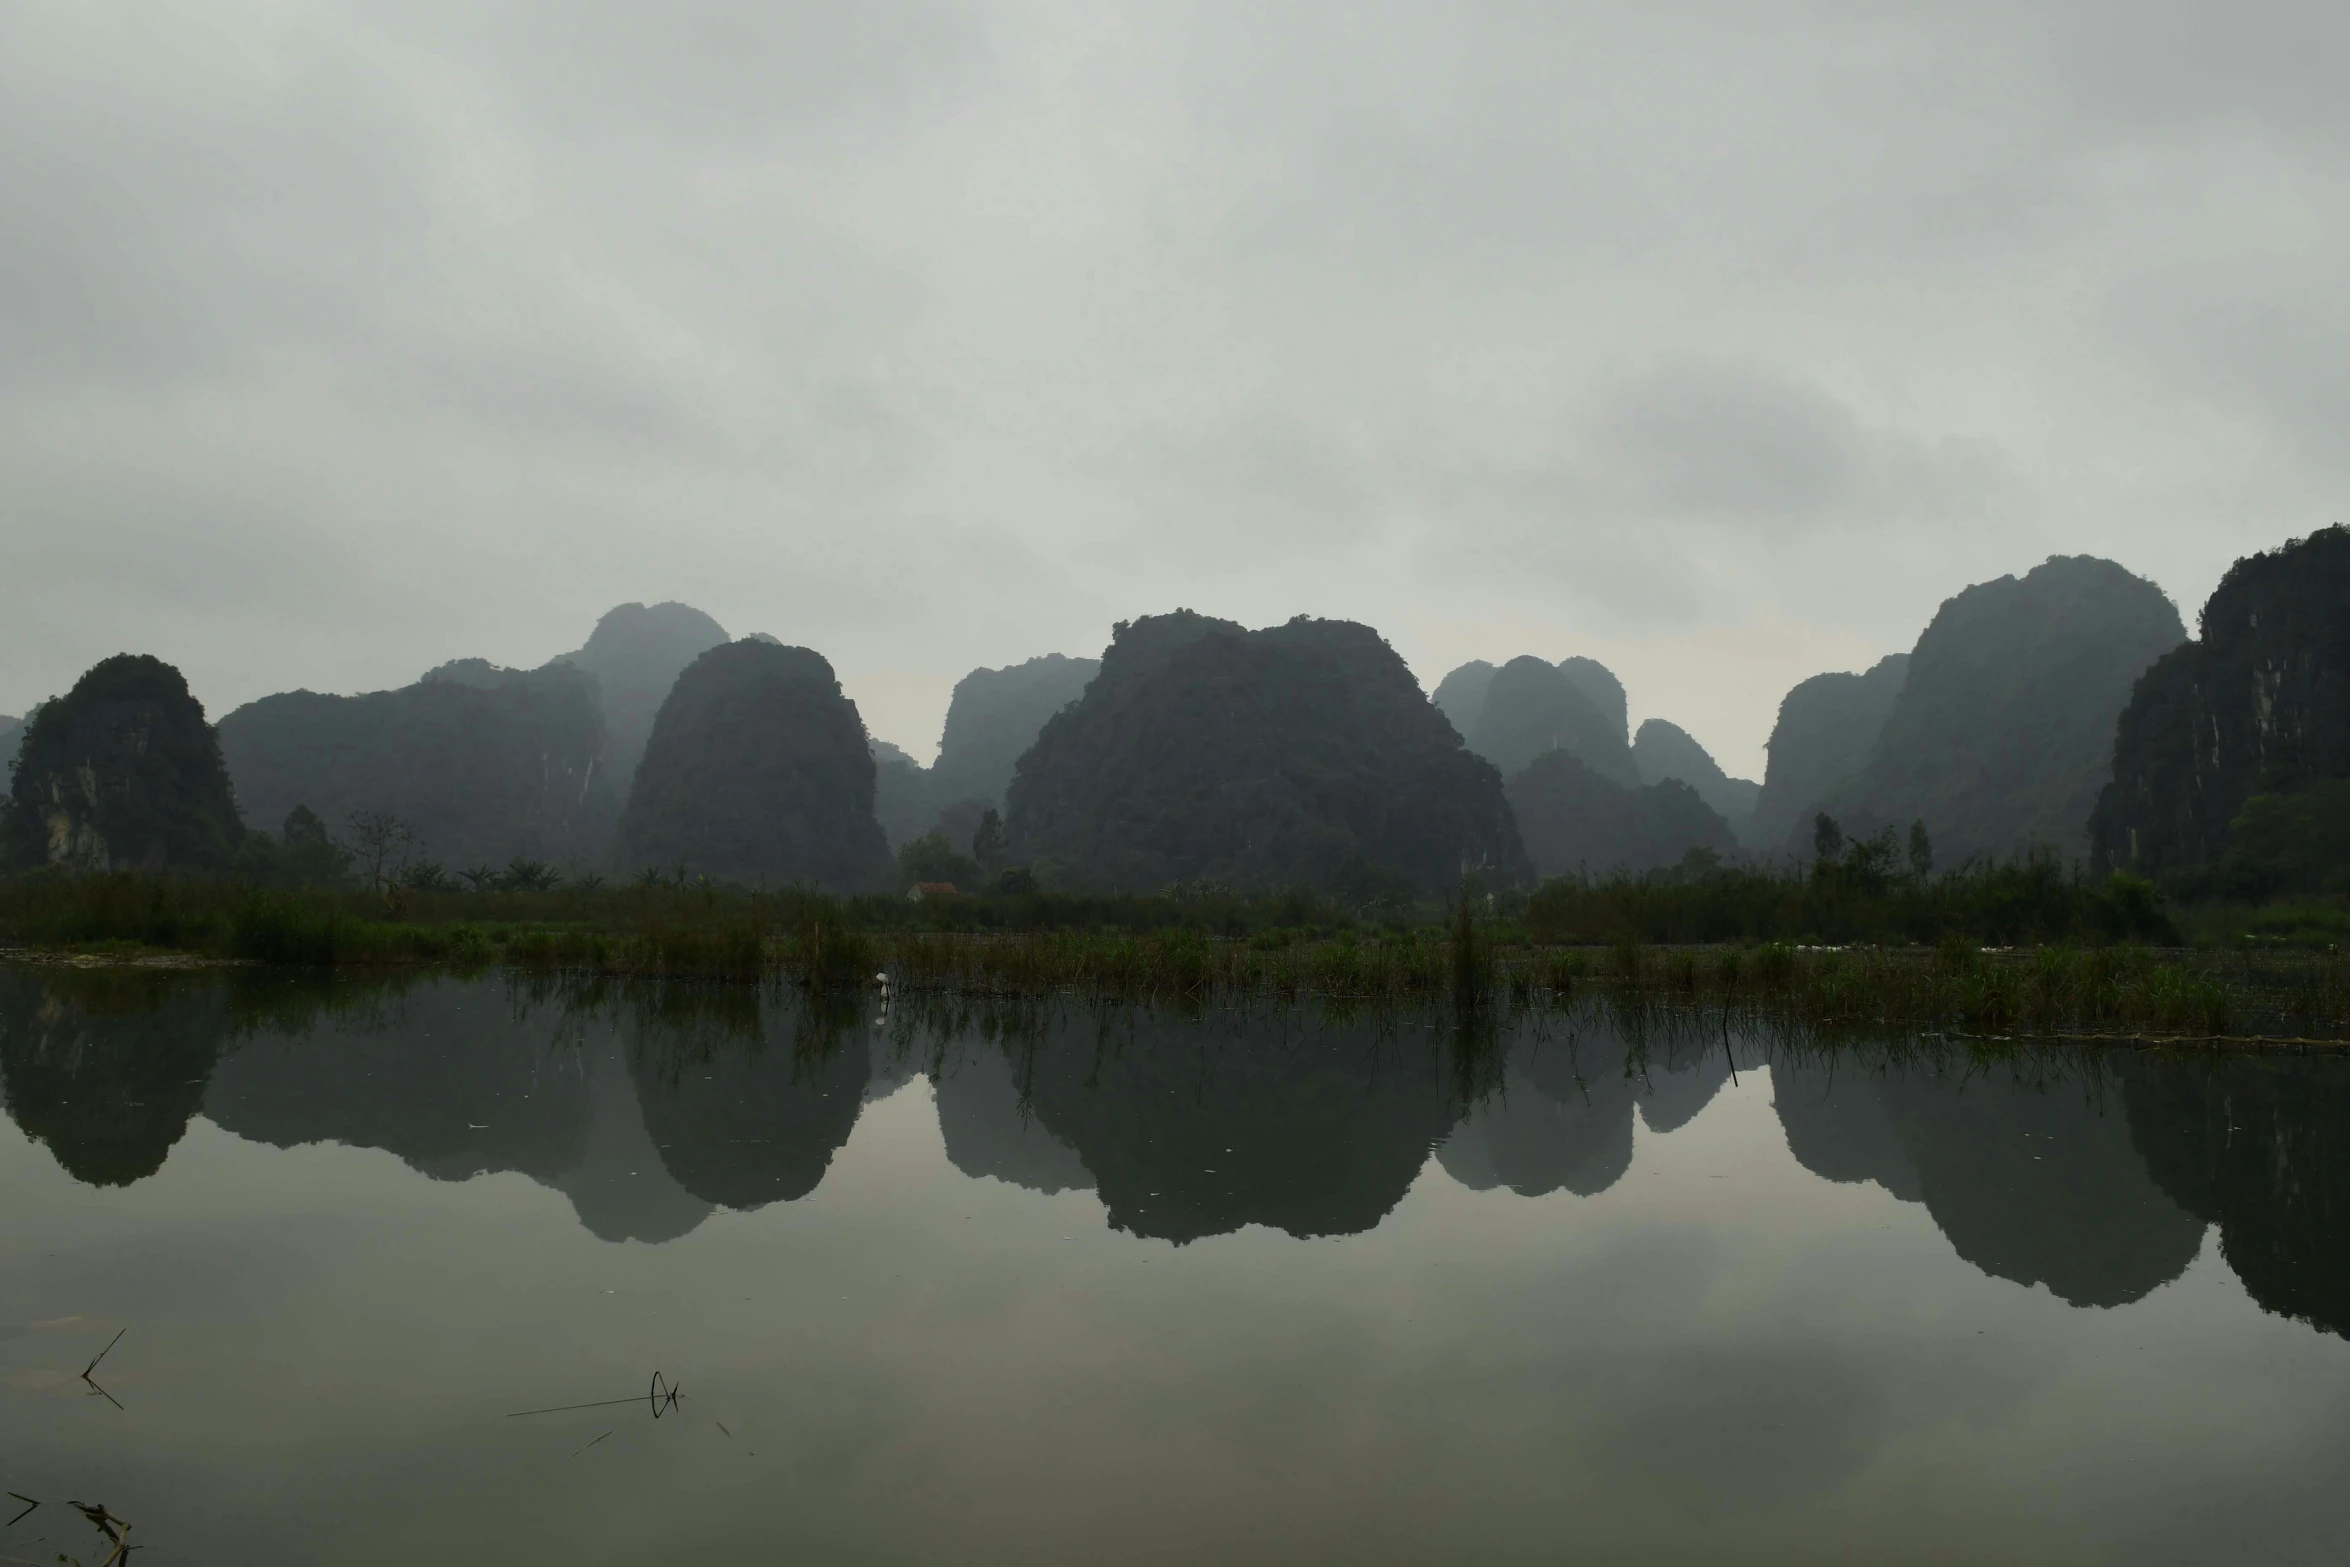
(122, 773)
(1661, 751)
(2004, 731)
(758, 771)
(1532, 707)
(11, 730)
(1302, 754)
(636, 653)
(2258, 707)
(1573, 820)
(485, 764)
(995, 716)
(1827, 727)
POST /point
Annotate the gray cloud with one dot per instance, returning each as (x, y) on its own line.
(1742, 444)
(340, 338)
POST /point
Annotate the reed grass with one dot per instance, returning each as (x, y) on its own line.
(1473, 960)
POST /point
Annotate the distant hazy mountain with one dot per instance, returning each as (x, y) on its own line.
(1460, 696)
(1598, 682)
(995, 716)
(121, 773)
(758, 770)
(1300, 754)
(10, 729)
(2258, 708)
(2004, 731)
(1826, 729)
(902, 798)
(1531, 707)
(1572, 820)
(1661, 751)
(636, 654)
(486, 764)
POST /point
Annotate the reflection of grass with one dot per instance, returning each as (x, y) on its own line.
(2049, 990)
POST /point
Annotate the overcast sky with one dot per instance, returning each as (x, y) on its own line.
(1720, 342)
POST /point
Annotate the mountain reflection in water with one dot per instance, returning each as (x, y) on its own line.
(2091, 1174)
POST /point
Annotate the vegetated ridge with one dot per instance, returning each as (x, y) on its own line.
(993, 718)
(1826, 728)
(484, 764)
(121, 773)
(758, 770)
(2003, 732)
(636, 653)
(1665, 750)
(2232, 755)
(1300, 754)
(1531, 707)
(1573, 821)
(1598, 682)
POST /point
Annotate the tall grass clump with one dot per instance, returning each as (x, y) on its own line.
(272, 928)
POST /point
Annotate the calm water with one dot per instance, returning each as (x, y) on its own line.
(1079, 1288)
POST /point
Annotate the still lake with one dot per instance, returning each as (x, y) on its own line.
(1055, 1285)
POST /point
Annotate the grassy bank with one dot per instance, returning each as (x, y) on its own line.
(1212, 949)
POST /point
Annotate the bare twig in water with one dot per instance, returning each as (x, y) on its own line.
(721, 1425)
(29, 1505)
(93, 1365)
(564, 1409)
(591, 1444)
(663, 1396)
(102, 1354)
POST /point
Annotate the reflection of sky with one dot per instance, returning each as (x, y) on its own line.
(1720, 1355)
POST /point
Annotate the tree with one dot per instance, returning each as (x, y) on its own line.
(1827, 838)
(987, 844)
(312, 857)
(1921, 851)
(383, 845)
(932, 858)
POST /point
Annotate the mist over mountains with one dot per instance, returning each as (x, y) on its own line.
(1302, 754)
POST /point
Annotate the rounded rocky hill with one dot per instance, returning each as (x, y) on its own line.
(1303, 754)
(2258, 708)
(2003, 731)
(122, 773)
(486, 764)
(757, 771)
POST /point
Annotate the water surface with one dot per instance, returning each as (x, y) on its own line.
(1060, 1285)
